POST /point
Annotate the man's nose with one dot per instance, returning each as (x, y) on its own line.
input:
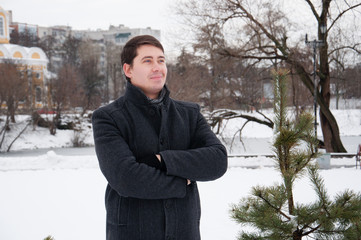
(156, 67)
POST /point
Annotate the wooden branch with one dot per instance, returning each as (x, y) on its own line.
(249, 118)
(264, 116)
(21, 132)
(311, 231)
(313, 10)
(4, 129)
(341, 14)
(346, 47)
(277, 209)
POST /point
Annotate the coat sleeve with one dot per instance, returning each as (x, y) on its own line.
(123, 173)
(206, 160)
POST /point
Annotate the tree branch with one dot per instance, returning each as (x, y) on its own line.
(274, 207)
(264, 30)
(21, 132)
(4, 129)
(312, 230)
(341, 14)
(230, 115)
(346, 47)
(313, 10)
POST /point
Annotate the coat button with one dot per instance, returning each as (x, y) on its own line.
(168, 205)
(151, 112)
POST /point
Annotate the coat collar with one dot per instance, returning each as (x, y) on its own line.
(136, 95)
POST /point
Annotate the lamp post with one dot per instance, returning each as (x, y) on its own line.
(315, 44)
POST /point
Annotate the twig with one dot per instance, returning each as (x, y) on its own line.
(21, 132)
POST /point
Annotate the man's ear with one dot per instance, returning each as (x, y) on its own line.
(127, 70)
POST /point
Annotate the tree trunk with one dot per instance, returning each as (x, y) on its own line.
(11, 110)
(297, 235)
(329, 125)
(291, 205)
(330, 130)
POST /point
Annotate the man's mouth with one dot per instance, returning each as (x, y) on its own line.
(157, 76)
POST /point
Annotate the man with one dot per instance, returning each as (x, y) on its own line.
(152, 150)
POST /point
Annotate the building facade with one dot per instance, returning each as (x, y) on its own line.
(32, 61)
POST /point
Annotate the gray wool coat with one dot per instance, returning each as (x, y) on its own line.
(144, 202)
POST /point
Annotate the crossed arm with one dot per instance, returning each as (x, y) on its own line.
(167, 178)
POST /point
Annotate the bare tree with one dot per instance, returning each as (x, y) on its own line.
(258, 30)
(115, 84)
(64, 90)
(185, 78)
(209, 38)
(13, 90)
(13, 84)
(202, 75)
(353, 82)
(70, 50)
(25, 38)
(49, 45)
(91, 78)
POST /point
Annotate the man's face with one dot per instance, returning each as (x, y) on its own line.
(148, 71)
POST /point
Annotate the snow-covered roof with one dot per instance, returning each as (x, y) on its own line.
(32, 55)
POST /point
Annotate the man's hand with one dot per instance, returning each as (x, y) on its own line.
(160, 160)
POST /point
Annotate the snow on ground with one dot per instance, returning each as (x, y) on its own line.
(60, 191)
(65, 200)
(218, 195)
(39, 137)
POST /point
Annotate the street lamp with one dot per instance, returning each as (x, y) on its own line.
(316, 44)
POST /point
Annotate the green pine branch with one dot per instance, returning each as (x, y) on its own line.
(272, 211)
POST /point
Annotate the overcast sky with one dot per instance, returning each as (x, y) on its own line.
(157, 14)
(95, 14)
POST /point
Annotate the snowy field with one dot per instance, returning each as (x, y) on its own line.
(60, 192)
(65, 199)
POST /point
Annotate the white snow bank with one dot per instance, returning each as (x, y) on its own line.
(51, 160)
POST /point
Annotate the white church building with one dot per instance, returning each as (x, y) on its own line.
(32, 59)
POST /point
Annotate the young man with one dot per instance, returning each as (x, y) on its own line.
(152, 150)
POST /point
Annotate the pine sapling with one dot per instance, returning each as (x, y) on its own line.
(272, 211)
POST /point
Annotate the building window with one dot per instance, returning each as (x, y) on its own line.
(122, 37)
(38, 94)
(2, 27)
(37, 75)
(32, 30)
(21, 28)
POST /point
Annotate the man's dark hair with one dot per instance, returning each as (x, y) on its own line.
(129, 51)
